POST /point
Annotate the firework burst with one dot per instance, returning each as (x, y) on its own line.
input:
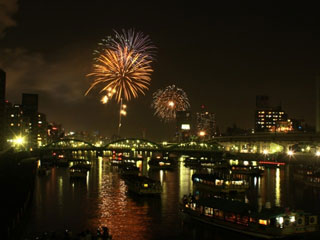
(168, 101)
(123, 71)
(122, 64)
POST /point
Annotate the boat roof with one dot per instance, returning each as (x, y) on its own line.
(210, 176)
(238, 207)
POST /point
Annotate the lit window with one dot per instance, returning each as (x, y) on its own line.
(263, 222)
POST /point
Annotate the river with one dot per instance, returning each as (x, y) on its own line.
(102, 199)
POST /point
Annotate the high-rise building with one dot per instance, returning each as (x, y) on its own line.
(16, 127)
(270, 119)
(2, 107)
(183, 126)
(30, 115)
(42, 130)
(206, 125)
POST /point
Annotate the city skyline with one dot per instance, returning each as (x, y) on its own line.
(222, 57)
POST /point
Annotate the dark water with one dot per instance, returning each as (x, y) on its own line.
(103, 199)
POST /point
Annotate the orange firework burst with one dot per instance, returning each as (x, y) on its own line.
(168, 102)
(122, 70)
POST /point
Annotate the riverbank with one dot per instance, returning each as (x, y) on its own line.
(17, 175)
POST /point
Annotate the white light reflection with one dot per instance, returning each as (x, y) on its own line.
(60, 190)
(255, 181)
(100, 171)
(161, 176)
(185, 180)
(87, 181)
(277, 190)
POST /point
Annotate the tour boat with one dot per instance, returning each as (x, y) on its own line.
(215, 183)
(143, 185)
(269, 223)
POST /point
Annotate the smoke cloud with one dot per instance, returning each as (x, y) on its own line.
(7, 9)
(30, 72)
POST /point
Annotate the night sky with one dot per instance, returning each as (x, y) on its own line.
(221, 55)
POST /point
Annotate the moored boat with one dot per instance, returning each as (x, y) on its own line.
(215, 183)
(241, 217)
(78, 171)
(143, 185)
(162, 163)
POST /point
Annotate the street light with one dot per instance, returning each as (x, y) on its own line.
(202, 133)
(290, 153)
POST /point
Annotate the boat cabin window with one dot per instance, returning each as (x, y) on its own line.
(219, 182)
(208, 211)
(263, 222)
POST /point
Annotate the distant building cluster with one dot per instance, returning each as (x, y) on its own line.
(22, 125)
(274, 119)
(201, 125)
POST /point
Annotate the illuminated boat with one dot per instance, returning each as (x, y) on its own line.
(143, 185)
(81, 163)
(162, 163)
(78, 171)
(240, 167)
(215, 183)
(308, 176)
(269, 223)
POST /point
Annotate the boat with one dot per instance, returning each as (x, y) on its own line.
(309, 176)
(216, 183)
(125, 169)
(162, 163)
(143, 185)
(78, 171)
(269, 223)
(240, 167)
(81, 163)
(62, 161)
(192, 162)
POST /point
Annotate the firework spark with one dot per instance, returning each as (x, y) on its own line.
(168, 101)
(137, 42)
(124, 72)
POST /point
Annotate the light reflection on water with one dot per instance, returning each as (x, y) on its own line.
(102, 200)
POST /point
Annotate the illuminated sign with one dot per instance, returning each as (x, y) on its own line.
(185, 126)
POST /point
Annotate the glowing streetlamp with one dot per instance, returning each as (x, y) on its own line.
(19, 140)
(290, 153)
(318, 153)
(265, 151)
(202, 133)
